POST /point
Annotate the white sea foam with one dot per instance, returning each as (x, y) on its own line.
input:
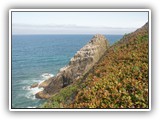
(26, 87)
(30, 96)
(36, 90)
(32, 91)
(31, 107)
(47, 75)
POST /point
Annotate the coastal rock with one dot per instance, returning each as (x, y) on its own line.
(78, 66)
(42, 95)
(34, 85)
(45, 83)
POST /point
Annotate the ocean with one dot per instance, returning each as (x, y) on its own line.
(34, 56)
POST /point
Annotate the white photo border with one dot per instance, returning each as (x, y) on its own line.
(74, 10)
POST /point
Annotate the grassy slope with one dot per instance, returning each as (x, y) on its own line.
(118, 80)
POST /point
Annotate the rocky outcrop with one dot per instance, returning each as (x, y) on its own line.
(78, 66)
(34, 85)
(45, 83)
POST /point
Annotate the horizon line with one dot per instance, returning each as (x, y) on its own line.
(70, 25)
(68, 34)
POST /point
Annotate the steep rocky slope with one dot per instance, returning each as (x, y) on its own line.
(78, 66)
(119, 80)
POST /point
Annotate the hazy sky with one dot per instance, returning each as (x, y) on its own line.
(77, 22)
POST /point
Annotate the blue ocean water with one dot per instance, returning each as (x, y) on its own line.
(34, 55)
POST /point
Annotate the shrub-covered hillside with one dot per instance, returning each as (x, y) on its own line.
(118, 80)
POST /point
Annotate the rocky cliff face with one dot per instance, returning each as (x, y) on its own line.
(78, 66)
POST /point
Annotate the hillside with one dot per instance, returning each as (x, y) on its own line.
(118, 80)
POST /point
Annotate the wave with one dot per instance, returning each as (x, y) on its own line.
(32, 91)
(47, 75)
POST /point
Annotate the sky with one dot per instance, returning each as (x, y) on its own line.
(77, 22)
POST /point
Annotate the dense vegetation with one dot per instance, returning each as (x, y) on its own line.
(118, 80)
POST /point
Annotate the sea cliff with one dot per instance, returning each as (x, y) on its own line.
(79, 65)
